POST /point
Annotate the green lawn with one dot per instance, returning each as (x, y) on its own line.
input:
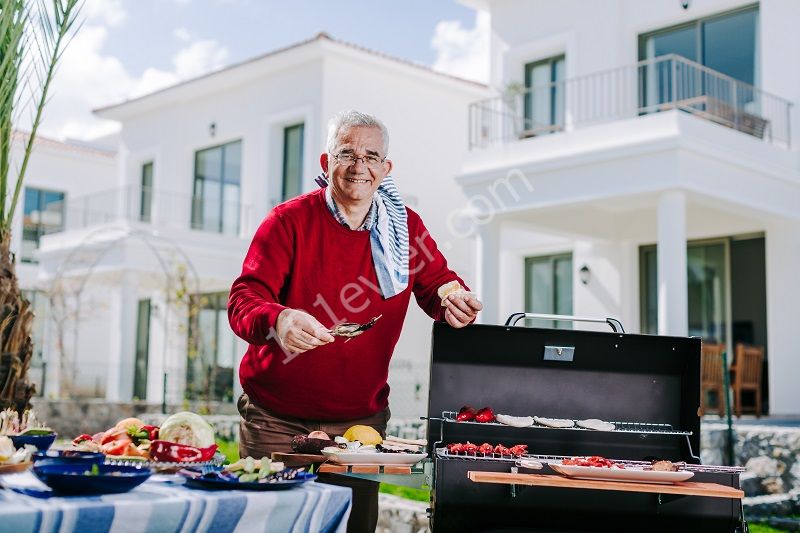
(230, 449)
(763, 528)
(420, 495)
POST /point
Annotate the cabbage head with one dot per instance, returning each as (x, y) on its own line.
(187, 428)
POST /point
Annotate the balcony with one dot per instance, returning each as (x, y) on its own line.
(650, 86)
(160, 209)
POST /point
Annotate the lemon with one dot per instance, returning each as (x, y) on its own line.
(363, 434)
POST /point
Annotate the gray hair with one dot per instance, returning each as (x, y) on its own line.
(351, 118)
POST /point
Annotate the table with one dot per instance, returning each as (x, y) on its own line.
(161, 504)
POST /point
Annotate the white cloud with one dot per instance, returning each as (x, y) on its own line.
(87, 78)
(463, 52)
(182, 34)
(108, 12)
(198, 58)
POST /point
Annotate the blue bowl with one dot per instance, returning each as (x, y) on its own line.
(77, 479)
(42, 442)
(68, 457)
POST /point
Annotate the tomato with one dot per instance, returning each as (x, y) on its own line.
(133, 451)
(117, 447)
(114, 435)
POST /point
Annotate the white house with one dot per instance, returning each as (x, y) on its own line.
(199, 165)
(639, 160)
(57, 172)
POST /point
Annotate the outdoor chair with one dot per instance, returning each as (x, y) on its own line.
(746, 372)
(711, 377)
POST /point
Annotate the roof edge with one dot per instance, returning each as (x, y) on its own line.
(319, 37)
(42, 140)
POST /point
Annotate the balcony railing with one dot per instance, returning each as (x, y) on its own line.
(650, 86)
(157, 208)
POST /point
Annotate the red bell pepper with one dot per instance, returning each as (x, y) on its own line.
(152, 432)
(484, 415)
(465, 414)
(172, 452)
(81, 438)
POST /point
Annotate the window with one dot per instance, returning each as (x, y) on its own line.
(146, 199)
(548, 287)
(212, 349)
(43, 214)
(216, 200)
(707, 280)
(544, 96)
(39, 305)
(726, 43)
(292, 162)
(142, 350)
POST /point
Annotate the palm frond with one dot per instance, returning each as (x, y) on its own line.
(34, 36)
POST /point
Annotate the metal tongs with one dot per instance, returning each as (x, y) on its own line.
(352, 329)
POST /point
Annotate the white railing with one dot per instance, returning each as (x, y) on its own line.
(649, 86)
(157, 208)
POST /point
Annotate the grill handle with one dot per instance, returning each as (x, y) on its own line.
(615, 324)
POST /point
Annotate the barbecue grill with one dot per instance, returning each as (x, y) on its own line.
(648, 385)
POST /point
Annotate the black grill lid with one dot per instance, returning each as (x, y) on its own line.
(574, 374)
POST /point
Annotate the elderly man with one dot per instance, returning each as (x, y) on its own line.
(348, 252)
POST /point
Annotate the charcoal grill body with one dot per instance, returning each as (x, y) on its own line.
(585, 374)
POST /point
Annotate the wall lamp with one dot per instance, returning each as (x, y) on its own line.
(585, 274)
(212, 129)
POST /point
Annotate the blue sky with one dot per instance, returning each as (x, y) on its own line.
(251, 27)
(126, 48)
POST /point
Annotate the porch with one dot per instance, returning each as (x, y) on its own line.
(671, 262)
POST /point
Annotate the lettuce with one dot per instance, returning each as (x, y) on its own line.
(187, 428)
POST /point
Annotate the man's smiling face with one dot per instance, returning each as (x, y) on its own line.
(355, 184)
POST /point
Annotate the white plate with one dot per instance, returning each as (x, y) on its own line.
(374, 458)
(620, 474)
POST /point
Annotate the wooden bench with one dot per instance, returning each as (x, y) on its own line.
(723, 113)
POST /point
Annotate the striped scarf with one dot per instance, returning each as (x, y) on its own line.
(387, 223)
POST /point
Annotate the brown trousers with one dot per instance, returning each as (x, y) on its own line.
(262, 432)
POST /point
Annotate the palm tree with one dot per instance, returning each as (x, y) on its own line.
(33, 36)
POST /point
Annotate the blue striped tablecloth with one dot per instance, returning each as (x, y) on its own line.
(158, 506)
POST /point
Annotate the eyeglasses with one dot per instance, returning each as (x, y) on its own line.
(347, 159)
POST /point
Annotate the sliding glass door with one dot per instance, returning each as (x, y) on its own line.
(707, 290)
(548, 288)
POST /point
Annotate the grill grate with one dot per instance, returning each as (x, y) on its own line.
(620, 427)
(445, 454)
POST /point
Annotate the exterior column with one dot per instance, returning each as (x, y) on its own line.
(783, 293)
(673, 306)
(487, 272)
(121, 371)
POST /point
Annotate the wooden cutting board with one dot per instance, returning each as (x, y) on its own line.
(686, 488)
(298, 459)
(329, 468)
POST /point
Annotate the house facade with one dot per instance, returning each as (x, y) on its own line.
(198, 166)
(639, 161)
(57, 172)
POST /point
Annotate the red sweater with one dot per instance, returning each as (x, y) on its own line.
(302, 258)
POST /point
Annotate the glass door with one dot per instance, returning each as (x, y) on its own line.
(548, 288)
(544, 97)
(142, 350)
(708, 282)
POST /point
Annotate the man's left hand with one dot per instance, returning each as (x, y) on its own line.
(461, 309)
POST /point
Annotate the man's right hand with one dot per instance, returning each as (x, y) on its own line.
(299, 332)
